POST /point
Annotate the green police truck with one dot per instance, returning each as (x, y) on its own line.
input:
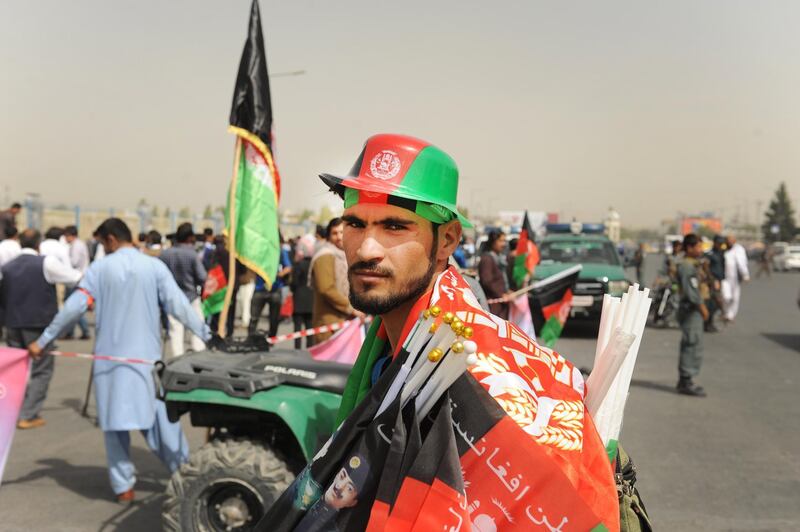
(603, 272)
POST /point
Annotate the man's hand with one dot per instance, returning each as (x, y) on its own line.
(34, 350)
(704, 312)
(216, 343)
(358, 314)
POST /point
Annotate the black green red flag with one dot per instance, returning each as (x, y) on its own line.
(213, 296)
(526, 255)
(258, 183)
(508, 447)
(552, 301)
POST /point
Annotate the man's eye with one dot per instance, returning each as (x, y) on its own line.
(395, 227)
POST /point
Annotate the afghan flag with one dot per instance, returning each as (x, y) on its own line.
(507, 447)
(526, 255)
(552, 301)
(213, 296)
(256, 180)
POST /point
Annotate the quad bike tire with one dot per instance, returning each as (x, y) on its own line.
(227, 485)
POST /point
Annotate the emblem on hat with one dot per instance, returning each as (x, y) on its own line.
(355, 462)
(384, 165)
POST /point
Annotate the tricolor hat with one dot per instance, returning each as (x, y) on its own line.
(403, 171)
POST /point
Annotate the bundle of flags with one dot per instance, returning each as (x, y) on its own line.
(622, 324)
(471, 426)
(252, 210)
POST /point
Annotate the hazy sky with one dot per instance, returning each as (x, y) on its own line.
(559, 106)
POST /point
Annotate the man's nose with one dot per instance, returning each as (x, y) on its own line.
(370, 250)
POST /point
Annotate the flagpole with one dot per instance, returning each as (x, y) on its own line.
(223, 317)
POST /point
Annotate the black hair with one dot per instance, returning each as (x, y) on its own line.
(142, 236)
(16, 205)
(493, 236)
(320, 231)
(335, 222)
(10, 231)
(185, 233)
(54, 232)
(208, 232)
(30, 238)
(71, 230)
(116, 228)
(154, 237)
(690, 240)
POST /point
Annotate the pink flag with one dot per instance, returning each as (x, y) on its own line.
(519, 313)
(343, 346)
(13, 379)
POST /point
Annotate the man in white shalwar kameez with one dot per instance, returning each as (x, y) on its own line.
(736, 272)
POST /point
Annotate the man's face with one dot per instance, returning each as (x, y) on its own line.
(499, 244)
(342, 493)
(336, 236)
(14, 211)
(695, 251)
(389, 254)
(70, 238)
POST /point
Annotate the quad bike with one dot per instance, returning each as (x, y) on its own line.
(267, 412)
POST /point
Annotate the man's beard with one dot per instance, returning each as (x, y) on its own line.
(378, 305)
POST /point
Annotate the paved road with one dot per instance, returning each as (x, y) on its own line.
(727, 462)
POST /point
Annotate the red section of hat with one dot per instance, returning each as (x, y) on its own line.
(387, 158)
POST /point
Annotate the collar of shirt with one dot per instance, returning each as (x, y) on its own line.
(28, 251)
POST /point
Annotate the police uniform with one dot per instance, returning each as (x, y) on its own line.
(694, 291)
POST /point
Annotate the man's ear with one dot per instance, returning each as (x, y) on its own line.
(449, 238)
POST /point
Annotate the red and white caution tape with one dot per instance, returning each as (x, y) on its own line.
(314, 330)
(273, 340)
(67, 354)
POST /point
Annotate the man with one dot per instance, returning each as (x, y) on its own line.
(8, 218)
(272, 297)
(153, 244)
(128, 287)
(9, 246)
(79, 259)
(736, 272)
(52, 245)
(401, 227)
(692, 314)
(342, 493)
(716, 268)
(492, 273)
(9, 250)
(207, 251)
(28, 297)
(638, 263)
(328, 278)
(189, 273)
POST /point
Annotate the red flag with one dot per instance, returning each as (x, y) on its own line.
(526, 254)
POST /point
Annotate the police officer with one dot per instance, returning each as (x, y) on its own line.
(692, 314)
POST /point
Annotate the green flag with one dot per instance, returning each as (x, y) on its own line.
(257, 182)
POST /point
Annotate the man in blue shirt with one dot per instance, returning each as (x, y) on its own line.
(126, 288)
(273, 297)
